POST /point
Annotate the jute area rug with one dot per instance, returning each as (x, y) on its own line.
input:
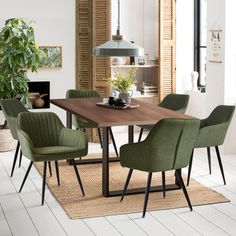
(94, 204)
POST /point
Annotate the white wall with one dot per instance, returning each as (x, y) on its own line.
(138, 23)
(221, 76)
(230, 71)
(215, 79)
(184, 44)
(55, 25)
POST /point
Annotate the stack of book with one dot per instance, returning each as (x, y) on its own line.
(148, 89)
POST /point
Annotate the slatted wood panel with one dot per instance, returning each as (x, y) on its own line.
(83, 44)
(101, 34)
(93, 25)
(167, 48)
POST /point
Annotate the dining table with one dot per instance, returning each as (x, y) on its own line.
(105, 117)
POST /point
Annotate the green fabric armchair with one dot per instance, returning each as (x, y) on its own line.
(11, 108)
(80, 123)
(43, 137)
(175, 102)
(168, 146)
(212, 133)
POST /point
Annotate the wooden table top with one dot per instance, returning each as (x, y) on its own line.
(86, 108)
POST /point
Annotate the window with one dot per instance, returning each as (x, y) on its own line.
(200, 40)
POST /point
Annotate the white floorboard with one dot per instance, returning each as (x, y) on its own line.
(172, 222)
(100, 226)
(22, 214)
(17, 216)
(4, 227)
(126, 226)
(150, 224)
(216, 217)
(199, 223)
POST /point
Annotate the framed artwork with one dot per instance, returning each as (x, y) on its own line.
(215, 50)
(52, 58)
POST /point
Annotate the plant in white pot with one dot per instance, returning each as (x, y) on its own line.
(122, 82)
(18, 54)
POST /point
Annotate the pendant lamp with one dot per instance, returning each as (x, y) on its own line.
(118, 47)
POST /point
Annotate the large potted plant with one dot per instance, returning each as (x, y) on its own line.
(18, 54)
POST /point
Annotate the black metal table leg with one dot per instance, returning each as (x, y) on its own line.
(105, 163)
(68, 119)
(131, 134)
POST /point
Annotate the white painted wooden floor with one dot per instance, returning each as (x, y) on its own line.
(22, 214)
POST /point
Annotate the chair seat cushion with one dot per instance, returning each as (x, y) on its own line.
(57, 153)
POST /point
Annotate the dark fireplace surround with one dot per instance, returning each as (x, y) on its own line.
(39, 94)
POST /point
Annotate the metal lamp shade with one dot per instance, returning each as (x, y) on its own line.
(118, 48)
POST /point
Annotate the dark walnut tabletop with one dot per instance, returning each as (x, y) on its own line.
(86, 108)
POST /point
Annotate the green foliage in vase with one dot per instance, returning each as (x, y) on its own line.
(18, 53)
(122, 82)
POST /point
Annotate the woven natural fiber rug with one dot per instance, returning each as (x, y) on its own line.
(68, 194)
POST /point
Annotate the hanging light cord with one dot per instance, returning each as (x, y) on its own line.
(118, 26)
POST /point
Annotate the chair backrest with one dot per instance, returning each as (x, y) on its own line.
(213, 129)
(175, 102)
(43, 128)
(221, 114)
(170, 143)
(11, 108)
(76, 93)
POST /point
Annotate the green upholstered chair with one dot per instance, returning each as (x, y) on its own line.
(11, 108)
(168, 146)
(212, 133)
(175, 102)
(80, 123)
(43, 138)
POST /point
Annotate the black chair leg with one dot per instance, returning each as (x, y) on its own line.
(140, 135)
(163, 183)
(126, 184)
(190, 168)
(100, 136)
(78, 177)
(15, 158)
(178, 175)
(26, 175)
(20, 158)
(113, 141)
(220, 164)
(149, 180)
(57, 173)
(44, 180)
(209, 158)
(50, 168)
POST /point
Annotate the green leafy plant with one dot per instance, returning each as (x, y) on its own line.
(18, 53)
(122, 82)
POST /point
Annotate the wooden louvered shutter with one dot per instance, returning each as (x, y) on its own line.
(93, 27)
(101, 34)
(83, 44)
(167, 47)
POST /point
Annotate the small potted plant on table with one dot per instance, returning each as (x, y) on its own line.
(122, 82)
